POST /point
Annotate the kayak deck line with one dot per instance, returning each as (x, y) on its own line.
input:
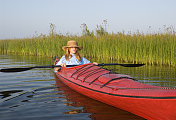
(147, 97)
(98, 77)
(93, 72)
(82, 69)
(90, 72)
(115, 79)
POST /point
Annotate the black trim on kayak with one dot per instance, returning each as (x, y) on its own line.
(82, 69)
(147, 97)
(98, 77)
(114, 79)
(93, 73)
(85, 72)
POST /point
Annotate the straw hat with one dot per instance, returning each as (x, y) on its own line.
(70, 44)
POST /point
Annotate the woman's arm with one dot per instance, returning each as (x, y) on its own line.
(61, 62)
(85, 61)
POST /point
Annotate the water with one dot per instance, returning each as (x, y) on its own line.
(33, 94)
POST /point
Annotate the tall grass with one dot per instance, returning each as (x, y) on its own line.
(159, 48)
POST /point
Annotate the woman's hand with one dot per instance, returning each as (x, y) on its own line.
(95, 63)
(63, 64)
(56, 69)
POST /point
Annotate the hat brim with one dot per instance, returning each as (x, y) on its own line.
(65, 47)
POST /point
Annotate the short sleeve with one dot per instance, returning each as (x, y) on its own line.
(85, 61)
(61, 60)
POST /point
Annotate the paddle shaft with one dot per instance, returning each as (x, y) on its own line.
(29, 68)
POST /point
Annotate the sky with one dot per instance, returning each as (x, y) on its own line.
(27, 18)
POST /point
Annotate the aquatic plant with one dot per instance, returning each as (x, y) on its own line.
(157, 48)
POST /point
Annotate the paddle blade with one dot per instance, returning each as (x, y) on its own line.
(124, 65)
(15, 69)
(131, 65)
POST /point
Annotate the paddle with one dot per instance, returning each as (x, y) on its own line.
(52, 66)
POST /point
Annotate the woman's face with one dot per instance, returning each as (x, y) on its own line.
(73, 50)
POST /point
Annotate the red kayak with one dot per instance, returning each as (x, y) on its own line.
(121, 91)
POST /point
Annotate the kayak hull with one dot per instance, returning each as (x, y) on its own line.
(150, 102)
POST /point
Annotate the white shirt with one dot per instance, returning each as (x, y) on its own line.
(73, 61)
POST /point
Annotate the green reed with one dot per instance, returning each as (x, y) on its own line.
(159, 49)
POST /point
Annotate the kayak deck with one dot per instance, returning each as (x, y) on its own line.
(90, 75)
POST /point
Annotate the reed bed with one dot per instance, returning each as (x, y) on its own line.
(153, 49)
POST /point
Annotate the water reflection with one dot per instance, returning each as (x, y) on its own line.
(5, 94)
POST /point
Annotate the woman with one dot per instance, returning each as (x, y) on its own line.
(72, 56)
